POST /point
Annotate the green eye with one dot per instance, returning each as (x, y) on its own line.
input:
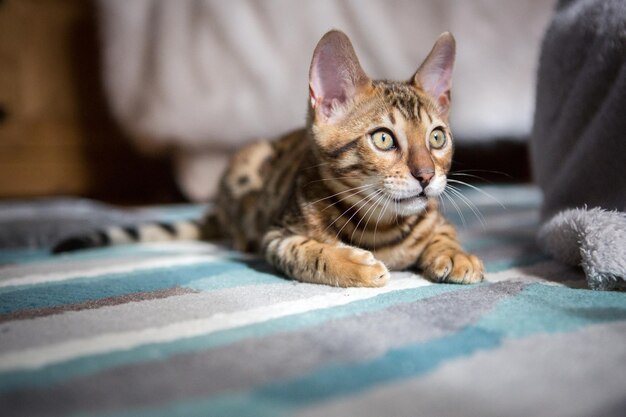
(437, 138)
(383, 140)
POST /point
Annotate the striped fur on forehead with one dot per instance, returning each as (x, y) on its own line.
(406, 99)
(373, 110)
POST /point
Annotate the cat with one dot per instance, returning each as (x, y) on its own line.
(354, 194)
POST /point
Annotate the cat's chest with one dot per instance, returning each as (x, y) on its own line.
(403, 251)
(398, 243)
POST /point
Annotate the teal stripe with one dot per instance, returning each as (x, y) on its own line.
(113, 285)
(109, 252)
(137, 249)
(87, 365)
(282, 398)
(14, 256)
(204, 276)
(521, 261)
(235, 278)
(537, 309)
(176, 212)
(550, 309)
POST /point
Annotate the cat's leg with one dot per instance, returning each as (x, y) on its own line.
(308, 260)
(443, 259)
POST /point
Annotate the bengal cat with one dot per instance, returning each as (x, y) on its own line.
(355, 193)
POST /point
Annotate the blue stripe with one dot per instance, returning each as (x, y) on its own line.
(235, 278)
(108, 252)
(544, 308)
(176, 212)
(140, 249)
(112, 285)
(203, 276)
(520, 261)
(155, 352)
(13, 256)
(283, 398)
(537, 309)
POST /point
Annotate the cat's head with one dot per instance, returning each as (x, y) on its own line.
(389, 138)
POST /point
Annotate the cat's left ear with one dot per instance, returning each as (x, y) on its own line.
(434, 76)
(335, 76)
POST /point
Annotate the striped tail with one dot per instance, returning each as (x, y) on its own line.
(145, 232)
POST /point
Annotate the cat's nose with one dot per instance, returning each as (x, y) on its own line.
(424, 176)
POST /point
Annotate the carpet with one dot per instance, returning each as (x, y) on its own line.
(195, 329)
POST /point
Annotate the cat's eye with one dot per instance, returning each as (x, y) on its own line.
(437, 138)
(383, 140)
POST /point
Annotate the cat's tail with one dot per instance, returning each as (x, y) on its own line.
(207, 228)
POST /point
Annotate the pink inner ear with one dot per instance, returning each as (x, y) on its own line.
(444, 101)
(335, 72)
(436, 77)
(315, 100)
(435, 73)
(326, 81)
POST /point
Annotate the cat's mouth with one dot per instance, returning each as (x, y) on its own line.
(410, 199)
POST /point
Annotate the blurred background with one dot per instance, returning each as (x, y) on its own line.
(142, 101)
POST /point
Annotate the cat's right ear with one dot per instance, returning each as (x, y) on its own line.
(434, 76)
(335, 76)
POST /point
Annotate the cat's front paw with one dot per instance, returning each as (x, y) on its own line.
(456, 268)
(357, 268)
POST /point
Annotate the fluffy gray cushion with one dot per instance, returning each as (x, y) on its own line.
(578, 144)
(594, 239)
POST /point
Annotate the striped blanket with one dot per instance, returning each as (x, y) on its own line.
(194, 329)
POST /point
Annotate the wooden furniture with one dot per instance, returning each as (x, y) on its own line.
(56, 135)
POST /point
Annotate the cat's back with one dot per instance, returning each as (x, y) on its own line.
(256, 186)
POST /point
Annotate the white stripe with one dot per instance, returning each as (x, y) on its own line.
(42, 356)
(118, 236)
(154, 233)
(187, 231)
(77, 261)
(110, 269)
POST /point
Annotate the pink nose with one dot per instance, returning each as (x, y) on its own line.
(424, 176)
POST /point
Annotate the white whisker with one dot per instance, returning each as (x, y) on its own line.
(460, 174)
(360, 220)
(479, 190)
(382, 211)
(469, 204)
(367, 199)
(368, 221)
(344, 198)
(485, 171)
(443, 205)
(396, 210)
(359, 188)
(333, 179)
(458, 210)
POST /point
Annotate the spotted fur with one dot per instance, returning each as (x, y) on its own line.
(324, 205)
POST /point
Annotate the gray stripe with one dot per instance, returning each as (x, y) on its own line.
(94, 304)
(136, 316)
(570, 374)
(261, 360)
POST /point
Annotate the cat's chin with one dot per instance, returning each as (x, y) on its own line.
(410, 206)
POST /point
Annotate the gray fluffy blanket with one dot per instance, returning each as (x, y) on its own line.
(578, 143)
